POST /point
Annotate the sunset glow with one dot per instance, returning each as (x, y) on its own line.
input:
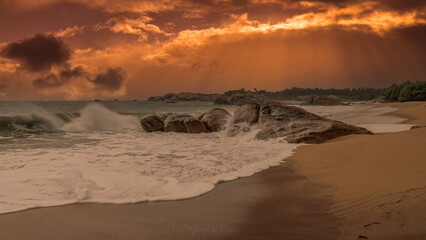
(134, 49)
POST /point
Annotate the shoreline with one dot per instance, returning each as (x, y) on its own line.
(289, 200)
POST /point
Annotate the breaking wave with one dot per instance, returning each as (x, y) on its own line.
(93, 117)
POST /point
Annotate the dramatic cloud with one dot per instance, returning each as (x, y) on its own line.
(207, 45)
(139, 27)
(54, 80)
(38, 53)
(111, 80)
(69, 31)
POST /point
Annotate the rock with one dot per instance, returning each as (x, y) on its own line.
(307, 97)
(194, 125)
(379, 99)
(333, 97)
(236, 99)
(170, 101)
(295, 124)
(155, 99)
(248, 113)
(176, 123)
(183, 123)
(184, 96)
(417, 127)
(152, 123)
(215, 119)
(298, 125)
(323, 101)
(221, 100)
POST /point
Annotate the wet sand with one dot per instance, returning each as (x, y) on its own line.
(273, 204)
(349, 188)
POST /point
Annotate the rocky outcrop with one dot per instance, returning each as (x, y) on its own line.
(215, 120)
(183, 123)
(234, 100)
(152, 123)
(184, 96)
(272, 119)
(293, 123)
(323, 101)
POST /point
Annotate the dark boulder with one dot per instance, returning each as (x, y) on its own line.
(215, 119)
(152, 123)
(194, 125)
(183, 123)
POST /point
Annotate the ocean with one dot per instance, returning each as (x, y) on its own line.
(62, 152)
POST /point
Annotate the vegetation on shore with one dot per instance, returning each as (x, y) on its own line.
(407, 91)
(357, 94)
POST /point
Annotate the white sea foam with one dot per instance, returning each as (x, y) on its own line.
(130, 166)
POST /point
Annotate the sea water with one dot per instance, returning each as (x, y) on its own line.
(55, 153)
(62, 152)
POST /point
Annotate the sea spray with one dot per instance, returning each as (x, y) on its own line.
(95, 117)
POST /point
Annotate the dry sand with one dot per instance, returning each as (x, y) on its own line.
(378, 182)
(348, 188)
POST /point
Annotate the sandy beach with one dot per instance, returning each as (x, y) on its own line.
(353, 187)
(378, 182)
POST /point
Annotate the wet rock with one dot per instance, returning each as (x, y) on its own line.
(215, 119)
(183, 123)
(153, 123)
(248, 113)
(194, 125)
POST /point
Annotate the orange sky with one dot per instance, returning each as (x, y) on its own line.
(130, 49)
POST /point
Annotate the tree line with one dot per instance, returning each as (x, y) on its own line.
(408, 91)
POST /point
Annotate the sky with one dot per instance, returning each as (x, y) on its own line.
(133, 49)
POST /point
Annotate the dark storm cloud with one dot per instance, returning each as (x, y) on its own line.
(49, 81)
(38, 53)
(53, 80)
(111, 80)
(67, 74)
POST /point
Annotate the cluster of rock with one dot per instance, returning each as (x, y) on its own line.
(320, 101)
(239, 99)
(184, 96)
(273, 119)
(211, 121)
